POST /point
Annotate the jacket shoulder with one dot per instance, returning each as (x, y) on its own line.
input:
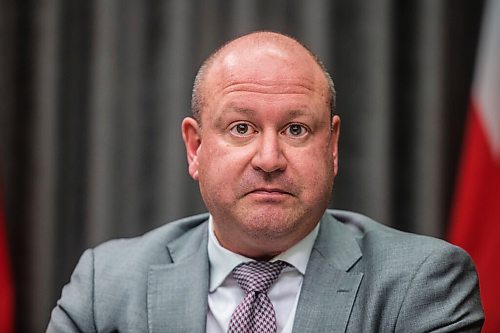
(372, 235)
(151, 247)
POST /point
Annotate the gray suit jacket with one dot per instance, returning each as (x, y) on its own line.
(361, 277)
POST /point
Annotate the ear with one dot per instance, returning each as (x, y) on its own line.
(335, 142)
(192, 140)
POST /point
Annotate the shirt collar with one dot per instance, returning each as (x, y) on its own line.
(222, 261)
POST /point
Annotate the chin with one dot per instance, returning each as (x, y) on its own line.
(271, 224)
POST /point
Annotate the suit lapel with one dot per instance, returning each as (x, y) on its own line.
(177, 292)
(329, 289)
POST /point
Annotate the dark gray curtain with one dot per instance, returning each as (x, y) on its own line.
(93, 93)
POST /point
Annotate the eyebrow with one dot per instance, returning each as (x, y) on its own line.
(219, 120)
(239, 110)
(297, 113)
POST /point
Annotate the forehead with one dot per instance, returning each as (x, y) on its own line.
(266, 65)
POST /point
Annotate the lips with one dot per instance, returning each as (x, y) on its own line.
(265, 190)
(269, 194)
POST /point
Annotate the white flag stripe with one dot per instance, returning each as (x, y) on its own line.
(486, 86)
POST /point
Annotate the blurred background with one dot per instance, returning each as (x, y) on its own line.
(92, 94)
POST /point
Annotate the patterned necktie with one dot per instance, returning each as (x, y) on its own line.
(255, 313)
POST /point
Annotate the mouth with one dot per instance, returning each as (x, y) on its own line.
(269, 190)
(269, 193)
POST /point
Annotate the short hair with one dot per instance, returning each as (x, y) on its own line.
(197, 98)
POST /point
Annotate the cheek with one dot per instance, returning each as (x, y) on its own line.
(318, 157)
(316, 169)
(221, 165)
(210, 164)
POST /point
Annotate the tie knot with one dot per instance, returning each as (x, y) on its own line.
(258, 276)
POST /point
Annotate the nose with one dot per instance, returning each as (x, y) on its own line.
(269, 155)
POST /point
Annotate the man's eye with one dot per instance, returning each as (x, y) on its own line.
(241, 129)
(296, 130)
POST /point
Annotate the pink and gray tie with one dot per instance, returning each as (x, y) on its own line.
(255, 313)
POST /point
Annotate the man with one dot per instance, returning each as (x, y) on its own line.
(262, 144)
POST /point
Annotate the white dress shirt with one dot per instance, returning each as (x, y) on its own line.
(225, 294)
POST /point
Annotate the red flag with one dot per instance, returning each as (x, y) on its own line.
(6, 292)
(475, 223)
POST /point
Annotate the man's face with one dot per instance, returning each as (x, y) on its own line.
(265, 154)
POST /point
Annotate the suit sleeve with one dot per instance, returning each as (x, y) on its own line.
(443, 295)
(74, 310)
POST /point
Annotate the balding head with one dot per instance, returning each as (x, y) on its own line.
(243, 51)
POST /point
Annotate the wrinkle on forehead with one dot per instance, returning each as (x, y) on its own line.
(269, 87)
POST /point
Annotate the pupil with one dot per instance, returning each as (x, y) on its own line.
(241, 128)
(295, 129)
